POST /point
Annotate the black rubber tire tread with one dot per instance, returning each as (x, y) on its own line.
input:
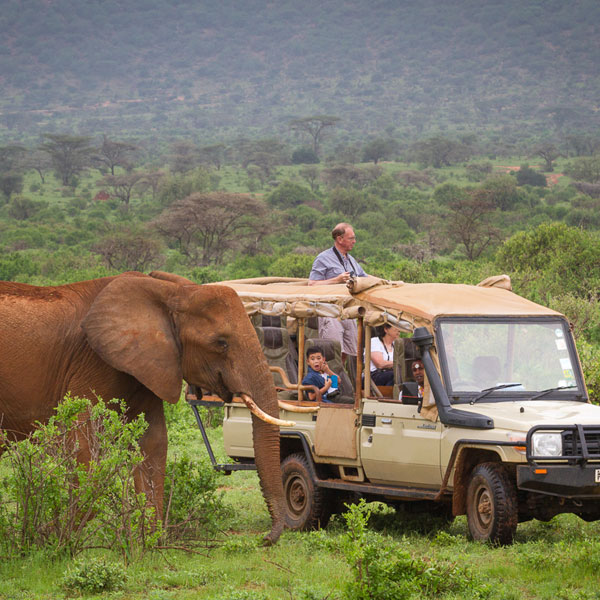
(307, 505)
(490, 482)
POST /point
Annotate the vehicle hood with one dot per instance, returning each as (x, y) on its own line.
(522, 415)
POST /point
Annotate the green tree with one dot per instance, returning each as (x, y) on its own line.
(584, 169)
(314, 127)
(440, 152)
(121, 185)
(351, 202)
(502, 191)
(552, 260)
(379, 148)
(114, 154)
(469, 220)
(290, 195)
(549, 152)
(69, 155)
(528, 176)
(204, 227)
(305, 156)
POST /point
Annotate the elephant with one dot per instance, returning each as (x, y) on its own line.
(136, 337)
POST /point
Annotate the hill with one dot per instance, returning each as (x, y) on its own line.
(217, 70)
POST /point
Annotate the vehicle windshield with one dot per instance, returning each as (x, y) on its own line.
(508, 358)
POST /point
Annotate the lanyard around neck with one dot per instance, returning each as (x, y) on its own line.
(339, 257)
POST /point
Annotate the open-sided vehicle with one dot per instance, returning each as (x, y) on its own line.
(504, 431)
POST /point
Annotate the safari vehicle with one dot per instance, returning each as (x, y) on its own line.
(504, 431)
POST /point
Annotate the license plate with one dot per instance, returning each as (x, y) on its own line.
(597, 475)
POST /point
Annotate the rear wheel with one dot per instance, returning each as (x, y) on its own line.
(307, 504)
(492, 513)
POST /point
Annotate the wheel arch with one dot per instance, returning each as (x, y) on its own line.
(466, 461)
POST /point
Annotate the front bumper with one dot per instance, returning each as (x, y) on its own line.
(567, 481)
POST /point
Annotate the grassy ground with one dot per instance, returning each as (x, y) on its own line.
(556, 560)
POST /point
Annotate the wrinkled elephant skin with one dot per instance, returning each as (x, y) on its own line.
(135, 337)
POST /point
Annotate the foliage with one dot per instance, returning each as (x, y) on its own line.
(528, 176)
(305, 156)
(93, 576)
(49, 500)
(292, 265)
(590, 363)
(176, 187)
(290, 195)
(383, 570)
(16, 265)
(194, 509)
(206, 226)
(130, 249)
(552, 260)
(584, 169)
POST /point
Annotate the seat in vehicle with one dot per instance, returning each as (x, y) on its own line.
(333, 356)
(275, 343)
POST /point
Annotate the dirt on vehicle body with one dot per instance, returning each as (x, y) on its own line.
(502, 430)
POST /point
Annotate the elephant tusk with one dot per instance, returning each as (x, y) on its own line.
(298, 409)
(261, 414)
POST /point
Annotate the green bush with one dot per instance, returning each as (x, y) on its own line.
(94, 576)
(552, 260)
(194, 507)
(383, 570)
(48, 500)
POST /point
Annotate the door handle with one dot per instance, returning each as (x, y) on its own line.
(386, 421)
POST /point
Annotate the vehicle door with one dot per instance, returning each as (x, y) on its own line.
(399, 446)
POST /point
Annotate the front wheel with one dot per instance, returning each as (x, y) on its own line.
(307, 504)
(492, 510)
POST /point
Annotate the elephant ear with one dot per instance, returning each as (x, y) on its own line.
(129, 326)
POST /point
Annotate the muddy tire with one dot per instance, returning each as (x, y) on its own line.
(492, 510)
(307, 504)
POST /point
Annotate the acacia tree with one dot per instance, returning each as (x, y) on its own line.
(440, 152)
(11, 169)
(121, 185)
(469, 218)
(379, 148)
(114, 154)
(549, 152)
(68, 154)
(213, 155)
(314, 127)
(130, 250)
(205, 226)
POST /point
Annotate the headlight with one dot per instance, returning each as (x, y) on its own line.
(546, 444)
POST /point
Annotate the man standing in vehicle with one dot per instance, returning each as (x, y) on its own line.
(336, 265)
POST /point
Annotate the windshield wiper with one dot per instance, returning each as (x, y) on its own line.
(487, 391)
(554, 389)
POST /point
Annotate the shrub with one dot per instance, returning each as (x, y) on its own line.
(49, 500)
(194, 508)
(305, 156)
(382, 570)
(94, 576)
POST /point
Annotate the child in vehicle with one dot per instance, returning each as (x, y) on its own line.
(320, 375)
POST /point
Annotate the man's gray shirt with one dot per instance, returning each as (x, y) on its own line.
(327, 265)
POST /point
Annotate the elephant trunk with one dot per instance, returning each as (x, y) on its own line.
(265, 437)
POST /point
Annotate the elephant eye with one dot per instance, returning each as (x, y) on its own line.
(222, 344)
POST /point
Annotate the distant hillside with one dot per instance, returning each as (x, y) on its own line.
(212, 69)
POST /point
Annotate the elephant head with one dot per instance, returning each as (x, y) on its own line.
(163, 329)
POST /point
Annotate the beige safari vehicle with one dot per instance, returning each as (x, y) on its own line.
(503, 430)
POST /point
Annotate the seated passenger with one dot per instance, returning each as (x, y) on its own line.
(419, 375)
(320, 375)
(382, 355)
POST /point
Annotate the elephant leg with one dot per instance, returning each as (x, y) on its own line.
(267, 458)
(149, 477)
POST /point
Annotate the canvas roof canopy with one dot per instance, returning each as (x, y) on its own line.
(405, 305)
